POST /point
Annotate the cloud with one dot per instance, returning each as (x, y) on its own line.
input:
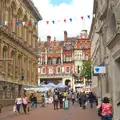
(75, 10)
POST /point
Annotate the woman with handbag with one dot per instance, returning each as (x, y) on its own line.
(105, 109)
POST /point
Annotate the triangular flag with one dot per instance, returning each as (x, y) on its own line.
(82, 17)
(29, 22)
(6, 22)
(23, 23)
(89, 16)
(94, 15)
(11, 22)
(0, 22)
(53, 22)
(70, 19)
(47, 22)
(35, 23)
(17, 22)
(65, 20)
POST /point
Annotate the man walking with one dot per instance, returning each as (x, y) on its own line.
(56, 101)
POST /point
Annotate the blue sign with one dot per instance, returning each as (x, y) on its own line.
(97, 69)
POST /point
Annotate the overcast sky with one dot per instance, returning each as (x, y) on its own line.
(58, 10)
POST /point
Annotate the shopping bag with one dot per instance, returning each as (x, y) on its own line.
(14, 108)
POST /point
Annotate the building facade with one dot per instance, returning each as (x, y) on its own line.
(61, 61)
(18, 43)
(106, 50)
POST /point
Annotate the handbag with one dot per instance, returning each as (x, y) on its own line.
(100, 111)
(14, 108)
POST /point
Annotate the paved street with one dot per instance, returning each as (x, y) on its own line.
(48, 113)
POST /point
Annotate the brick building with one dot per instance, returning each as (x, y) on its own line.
(61, 61)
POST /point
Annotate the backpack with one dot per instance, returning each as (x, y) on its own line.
(56, 97)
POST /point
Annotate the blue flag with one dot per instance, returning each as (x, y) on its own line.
(17, 22)
(70, 19)
(0, 22)
(53, 22)
(35, 23)
(89, 16)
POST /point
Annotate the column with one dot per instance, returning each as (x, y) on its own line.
(61, 56)
(46, 56)
(6, 17)
(13, 26)
(0, 56)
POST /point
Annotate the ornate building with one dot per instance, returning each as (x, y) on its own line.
(18, 43)
(61, 61)
(105, 44)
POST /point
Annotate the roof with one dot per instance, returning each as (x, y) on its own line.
(34, 10)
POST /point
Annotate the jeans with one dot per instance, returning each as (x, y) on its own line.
(24, 107)
(107, 117)
(18, 107)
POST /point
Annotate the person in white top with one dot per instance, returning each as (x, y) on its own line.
(25, 102)
(18, 103)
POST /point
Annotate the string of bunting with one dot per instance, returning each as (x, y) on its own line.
(47, 22)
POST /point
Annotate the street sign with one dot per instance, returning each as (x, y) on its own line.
(100, 70)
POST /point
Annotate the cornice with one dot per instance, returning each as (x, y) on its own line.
(16, 40)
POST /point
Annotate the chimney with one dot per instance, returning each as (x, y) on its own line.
(48, 38)
(65, 35)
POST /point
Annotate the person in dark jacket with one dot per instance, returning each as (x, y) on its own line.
(83, 100)
(61, 100)
(91, 99)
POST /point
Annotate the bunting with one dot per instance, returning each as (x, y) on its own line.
(47, 21)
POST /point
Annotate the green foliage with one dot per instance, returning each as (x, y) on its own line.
(86, 69)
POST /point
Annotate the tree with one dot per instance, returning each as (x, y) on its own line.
(86, 69)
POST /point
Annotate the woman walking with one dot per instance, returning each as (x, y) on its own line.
(105, 109)
(24, 103)
(18, 103)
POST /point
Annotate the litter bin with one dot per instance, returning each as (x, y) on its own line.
(66, 105)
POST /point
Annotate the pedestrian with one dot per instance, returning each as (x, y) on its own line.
(73, 98)
(31, 99)
(80, 100)
(91, 98)
(43, 101)
(83, 100)
(35, 101)
(0, 108)
(18, 103)
(24, 103)
(55, 101)
(61, 100)
(105, 109)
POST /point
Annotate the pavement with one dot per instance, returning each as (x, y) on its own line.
(48, 113)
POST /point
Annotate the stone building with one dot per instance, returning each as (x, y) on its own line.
(18, 43)
(105, 41)
(61, 61)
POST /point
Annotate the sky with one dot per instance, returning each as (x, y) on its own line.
(58, 10)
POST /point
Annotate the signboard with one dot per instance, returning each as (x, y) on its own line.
(100, 70)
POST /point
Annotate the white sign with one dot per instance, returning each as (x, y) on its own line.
(100, 70)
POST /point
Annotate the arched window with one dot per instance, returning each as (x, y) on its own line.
(86, 57)
(4, 59)
(11, 63)
(24, 31)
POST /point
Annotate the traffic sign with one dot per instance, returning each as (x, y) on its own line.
(100, 70)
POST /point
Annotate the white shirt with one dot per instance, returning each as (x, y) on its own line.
(18, 101)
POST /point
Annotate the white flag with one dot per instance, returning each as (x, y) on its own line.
(6, 23)
(23, 23)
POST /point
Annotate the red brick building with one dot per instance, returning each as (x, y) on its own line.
(61, 61)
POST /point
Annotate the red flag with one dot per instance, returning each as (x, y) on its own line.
(29, 23)
(82, 17)
(11, 22)
(65, 20)
(47, 22)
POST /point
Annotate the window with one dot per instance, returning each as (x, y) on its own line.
(3, 61)
(78, 69)
(81, 46)
(67, 69)
(58, 60)
(68, 58)
(86, 57)
(86, 46)
(58, 70)
(80, 57)
(54, 61)
(43, 70)
(43, 61)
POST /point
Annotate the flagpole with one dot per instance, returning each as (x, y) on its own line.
(83, 26)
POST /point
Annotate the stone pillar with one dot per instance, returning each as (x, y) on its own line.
(61, 56)
(0, 57)
(6, 17)
(46, 56)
